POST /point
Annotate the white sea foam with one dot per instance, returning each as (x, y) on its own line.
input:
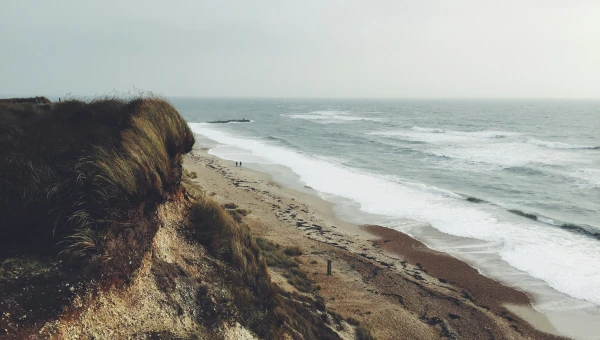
(473, 134)
(586, 177)
(441, 136)
(432, 130)
(548, 220)
(502, 154)
(432, 189)
(559, 145)
(329, 117)
(500, 149)
(565, 260)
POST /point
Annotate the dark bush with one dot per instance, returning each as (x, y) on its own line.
(293, 251)
(363, 333)
(353, 321)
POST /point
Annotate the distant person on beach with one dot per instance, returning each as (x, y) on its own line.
(240, 164)
(236, 164)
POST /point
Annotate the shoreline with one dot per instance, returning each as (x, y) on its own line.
(494, 294)
(292, 217)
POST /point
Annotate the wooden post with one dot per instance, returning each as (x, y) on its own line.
(328, 267)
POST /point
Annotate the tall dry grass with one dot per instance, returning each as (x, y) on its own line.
(83, 178)
(259, 304)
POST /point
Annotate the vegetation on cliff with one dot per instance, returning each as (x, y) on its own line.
(88, 191)
(257, 303)
(80, 174)
(81, 181)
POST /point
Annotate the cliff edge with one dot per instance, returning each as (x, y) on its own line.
(102, 236)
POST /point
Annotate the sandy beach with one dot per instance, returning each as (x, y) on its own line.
(388, 281)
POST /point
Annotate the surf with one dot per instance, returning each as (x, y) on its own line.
(527, 245)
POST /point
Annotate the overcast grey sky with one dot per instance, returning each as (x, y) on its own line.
(304, 48)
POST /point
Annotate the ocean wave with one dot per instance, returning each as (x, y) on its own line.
(500, 155)
(330, 117)
(583, 178)
(576, 228)
(524, 214)
(276, 139)
(476, 134)
(281, 141)
(544, 253)
(512, 156)
(524, 170)
(441, 136)
(431, 130)
(586, 177)
(431, 189)
(475, 200)
(560, 145)
(491, 150)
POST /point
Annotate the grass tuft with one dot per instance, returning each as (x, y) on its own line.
(230, 206)
(363, 333)
(260, 304)
(293, 251)
(79, 244)
(77, 173)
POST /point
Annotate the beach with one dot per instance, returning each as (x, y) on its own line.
(388, 281)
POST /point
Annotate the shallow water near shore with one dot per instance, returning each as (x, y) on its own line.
(554, 265)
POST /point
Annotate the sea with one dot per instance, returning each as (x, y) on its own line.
(510, 186)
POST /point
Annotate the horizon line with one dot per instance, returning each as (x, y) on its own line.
(383, 98)
(83, 96)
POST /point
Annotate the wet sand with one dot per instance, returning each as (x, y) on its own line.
(482, 289)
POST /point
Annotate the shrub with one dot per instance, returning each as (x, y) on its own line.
(237, 214)
(282, 259)
(353, 321)
(293, 251)
(242, 212)
(363, 333)
(274, 256)
(193, 190)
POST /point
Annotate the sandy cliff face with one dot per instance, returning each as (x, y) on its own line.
(164, 299)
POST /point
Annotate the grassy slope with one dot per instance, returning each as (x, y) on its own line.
(260, 305)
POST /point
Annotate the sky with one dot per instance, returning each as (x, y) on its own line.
(307, 48)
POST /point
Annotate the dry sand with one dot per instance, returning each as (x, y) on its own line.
(390, 282)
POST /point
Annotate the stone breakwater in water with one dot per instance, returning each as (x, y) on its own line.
(229, 121)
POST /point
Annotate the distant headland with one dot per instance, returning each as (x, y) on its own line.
(33, 100)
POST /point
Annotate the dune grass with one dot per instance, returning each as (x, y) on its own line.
(363, 333)
(284, 259)
(260, 304)
(76, 177)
